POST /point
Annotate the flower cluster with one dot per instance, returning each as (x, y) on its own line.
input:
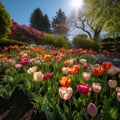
(61, 82)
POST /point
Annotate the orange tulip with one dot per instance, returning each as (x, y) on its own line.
(65, 81)
(2, 55)
(67, 63)
(98, 70)
(77, 67)
(106, 65)
(73, 70)
(47, 57)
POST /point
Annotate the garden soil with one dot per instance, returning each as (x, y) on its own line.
(18, 107)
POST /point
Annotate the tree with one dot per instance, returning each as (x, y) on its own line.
(106, 14)
(39, 21)
(59, 23)
(5, 22)
(79, 22)
(46, 24)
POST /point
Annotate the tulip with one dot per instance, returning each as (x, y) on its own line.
(65, 70)
(92, 110)
(86, 76)
(65, 81)
(32, 70)
(65, 93)
(96, 87)
(47, 57)
(118, 96)
(98, 70)
(18, 66)
(106, 65)
(85, 66)
(113, 70)
(25, 61)
(83, 88)
(112, 83)
(38, 76)
(83, 61)
(117, 89)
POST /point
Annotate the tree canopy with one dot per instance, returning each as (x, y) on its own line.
(106, 14)
(39, 21)
(5, 22)
(59, 23)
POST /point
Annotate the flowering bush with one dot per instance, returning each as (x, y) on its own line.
(64, 84)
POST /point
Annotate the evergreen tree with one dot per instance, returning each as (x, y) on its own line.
(59, 23)
(46, 24)
(5, 22)
(39, 21)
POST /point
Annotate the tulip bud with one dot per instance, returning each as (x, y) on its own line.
(92, 110)
(112, 83)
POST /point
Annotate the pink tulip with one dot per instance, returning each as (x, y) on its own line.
(65, 93)
(117, 89)
(32, 70)
(118, 96)
(18, 66)
(96, 87)
(92, 110)
(86, 76)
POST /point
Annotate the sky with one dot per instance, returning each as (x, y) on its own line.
(21, 10)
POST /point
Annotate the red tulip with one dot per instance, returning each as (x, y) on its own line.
(83, 88)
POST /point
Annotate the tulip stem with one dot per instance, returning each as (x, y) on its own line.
(96, 98)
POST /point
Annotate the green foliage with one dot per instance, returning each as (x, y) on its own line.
(40, 21)
(106, 15)
(8, 42)
(5, 22)
(81, 41)
(111, 44)
(50, 39)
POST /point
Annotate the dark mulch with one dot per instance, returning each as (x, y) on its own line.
(18, 107)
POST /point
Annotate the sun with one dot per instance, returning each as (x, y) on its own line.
(77, 3)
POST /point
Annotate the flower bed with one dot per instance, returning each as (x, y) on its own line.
(64, 84)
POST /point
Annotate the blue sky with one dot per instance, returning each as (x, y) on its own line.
(21, 10)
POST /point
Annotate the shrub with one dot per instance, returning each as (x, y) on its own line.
(5, 22)
(111, 44)
(25, 33)
(81, 41)
(8, 42)
(50, 39)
